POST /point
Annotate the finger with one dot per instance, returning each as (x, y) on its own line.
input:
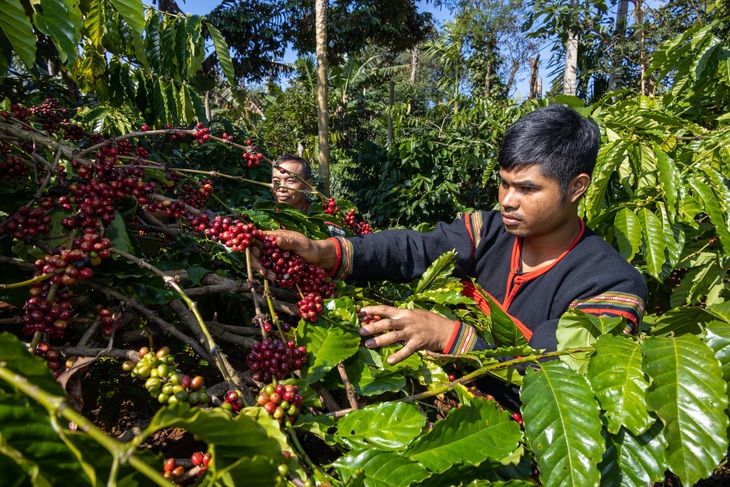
(381, 310)
(401, 354)
(385, 339)
(377, 327)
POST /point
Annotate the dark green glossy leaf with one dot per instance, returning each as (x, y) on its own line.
(61, 21)
(654, 244)
(380, 469)
(631, 460)
(16, 26)
(718, 339)
(618, 381)
(682, 321)
(152, 43)
(385, 426)
(132, 12)
(468, 435)
(562, 425)
(713, 206)
(224, 55)
(628, 232)
(689, 395)
(186, 110)
(332, 346)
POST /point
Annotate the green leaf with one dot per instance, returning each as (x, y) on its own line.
(187, 110)
(682, 321)
(16, 358)
(332, 346)
(234, 439)
(713, 207)
(577, 329)
(654, 245)
(632, 460)
(441, 268)
(562, 425)
(152, 43)
(181, 45)
(159, 103)
(194, 46)
(224, 55)
(167, 49)
(16, 26)
(689, 395)
(467, 435)
(669, 178)
(132, 12)
(628, 232)
(385, 426)
(61, 21)
(117, 233)
(380, 469)
(718, 339)
(616, 376)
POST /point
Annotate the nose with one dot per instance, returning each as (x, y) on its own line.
(509, 198)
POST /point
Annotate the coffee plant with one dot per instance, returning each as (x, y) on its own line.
(139, 346)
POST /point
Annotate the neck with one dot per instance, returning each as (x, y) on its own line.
(543, 250)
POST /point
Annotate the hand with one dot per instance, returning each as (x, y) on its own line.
(320, 252)
(416, 328)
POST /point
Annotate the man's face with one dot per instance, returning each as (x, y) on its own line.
(531, 204)
(285, 184)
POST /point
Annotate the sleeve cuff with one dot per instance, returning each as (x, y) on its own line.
(343, 264)
(463, 339)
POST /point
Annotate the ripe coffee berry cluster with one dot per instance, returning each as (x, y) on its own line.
(50, 317)
(13, 167)
(234, 234)
(251, 155)
(197, 197)
(163, 381)
(330, 207)
(29, 221)
(294, 273)
(201, 133)
(281, 401)
(109, 322)
(275, 358)
(53, 358)
(232, 402)
(172, 471)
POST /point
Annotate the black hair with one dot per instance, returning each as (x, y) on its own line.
(306, 167)
(557, 138)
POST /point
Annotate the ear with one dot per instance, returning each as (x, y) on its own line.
(578, 186)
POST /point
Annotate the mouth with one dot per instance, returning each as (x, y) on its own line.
(509, 220)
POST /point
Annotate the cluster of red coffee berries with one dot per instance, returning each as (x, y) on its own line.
(234, 234)
(226, 138)
(174, 472)
(27, 221)
(50, 317)
(251, 155)
(201, 133)
(331, 207)
(197, 197)
(52, 358)
(281, 401)
(275, 358)
(109, 322)
(233, 402)
(13, 167)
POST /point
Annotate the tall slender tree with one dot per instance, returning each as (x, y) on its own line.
(322, 112)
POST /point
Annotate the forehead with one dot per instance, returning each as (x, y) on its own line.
(291, 166)
(525, 173)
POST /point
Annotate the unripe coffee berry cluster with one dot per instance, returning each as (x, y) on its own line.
(275, 358)
(163, 381)
(281, 401)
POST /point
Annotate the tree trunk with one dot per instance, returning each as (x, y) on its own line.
(639, 19)
(322, 115)
(391, 102)
(512, 73)
(534, 71)
(623, 9)
(571, 59)
(414, 63)
(487, 87)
